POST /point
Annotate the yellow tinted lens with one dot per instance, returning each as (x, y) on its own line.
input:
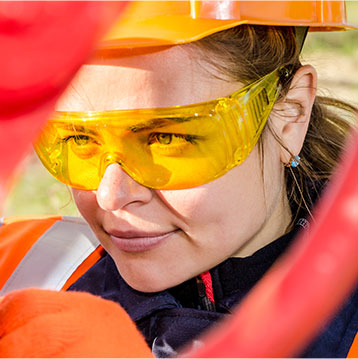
(168, 148)
(70, 154)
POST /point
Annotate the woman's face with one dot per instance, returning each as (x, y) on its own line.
(157, 238)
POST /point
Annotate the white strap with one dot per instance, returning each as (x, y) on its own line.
(54, 257)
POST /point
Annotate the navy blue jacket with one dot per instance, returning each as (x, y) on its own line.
(175, 317)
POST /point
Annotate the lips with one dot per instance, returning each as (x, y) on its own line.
(133, 241)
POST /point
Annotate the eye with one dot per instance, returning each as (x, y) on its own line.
(81, 140)
(78, 140)
(170, 138)
(165, 138)
(83, 146)
(171, 144)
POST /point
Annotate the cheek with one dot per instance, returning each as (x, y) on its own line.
(274, 179)
(86, 203)
(231, 208)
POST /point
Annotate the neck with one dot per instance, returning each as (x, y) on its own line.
(277, 222)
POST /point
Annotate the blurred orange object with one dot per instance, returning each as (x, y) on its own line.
(353, 353)
(41, 323)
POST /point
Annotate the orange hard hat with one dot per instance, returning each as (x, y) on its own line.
(156, 23)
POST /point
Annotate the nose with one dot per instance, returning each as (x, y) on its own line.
(118, 190)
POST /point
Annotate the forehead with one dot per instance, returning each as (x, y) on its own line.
(170, 77)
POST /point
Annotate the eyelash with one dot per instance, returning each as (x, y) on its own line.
(78, 137)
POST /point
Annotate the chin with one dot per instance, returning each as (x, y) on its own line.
(149, 282)
(143, 285)
(148, 275)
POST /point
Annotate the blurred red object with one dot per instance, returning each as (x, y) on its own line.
(42, 45)
(287, 308)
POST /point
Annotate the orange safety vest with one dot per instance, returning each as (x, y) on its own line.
(52, 252)
(49, 252)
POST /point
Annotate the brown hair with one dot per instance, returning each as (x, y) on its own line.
(248, 52)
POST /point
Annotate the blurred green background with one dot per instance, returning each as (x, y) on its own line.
(335, 56)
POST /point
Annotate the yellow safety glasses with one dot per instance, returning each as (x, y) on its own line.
(164, 148)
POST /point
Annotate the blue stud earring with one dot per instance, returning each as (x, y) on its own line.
(294, 162)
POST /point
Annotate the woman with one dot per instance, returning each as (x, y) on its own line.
(195, 165)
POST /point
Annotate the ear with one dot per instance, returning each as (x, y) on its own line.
(291, 116)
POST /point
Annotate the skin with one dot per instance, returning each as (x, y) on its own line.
(234, 215)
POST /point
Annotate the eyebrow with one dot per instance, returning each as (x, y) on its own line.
(159, 122)
(81, 128)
